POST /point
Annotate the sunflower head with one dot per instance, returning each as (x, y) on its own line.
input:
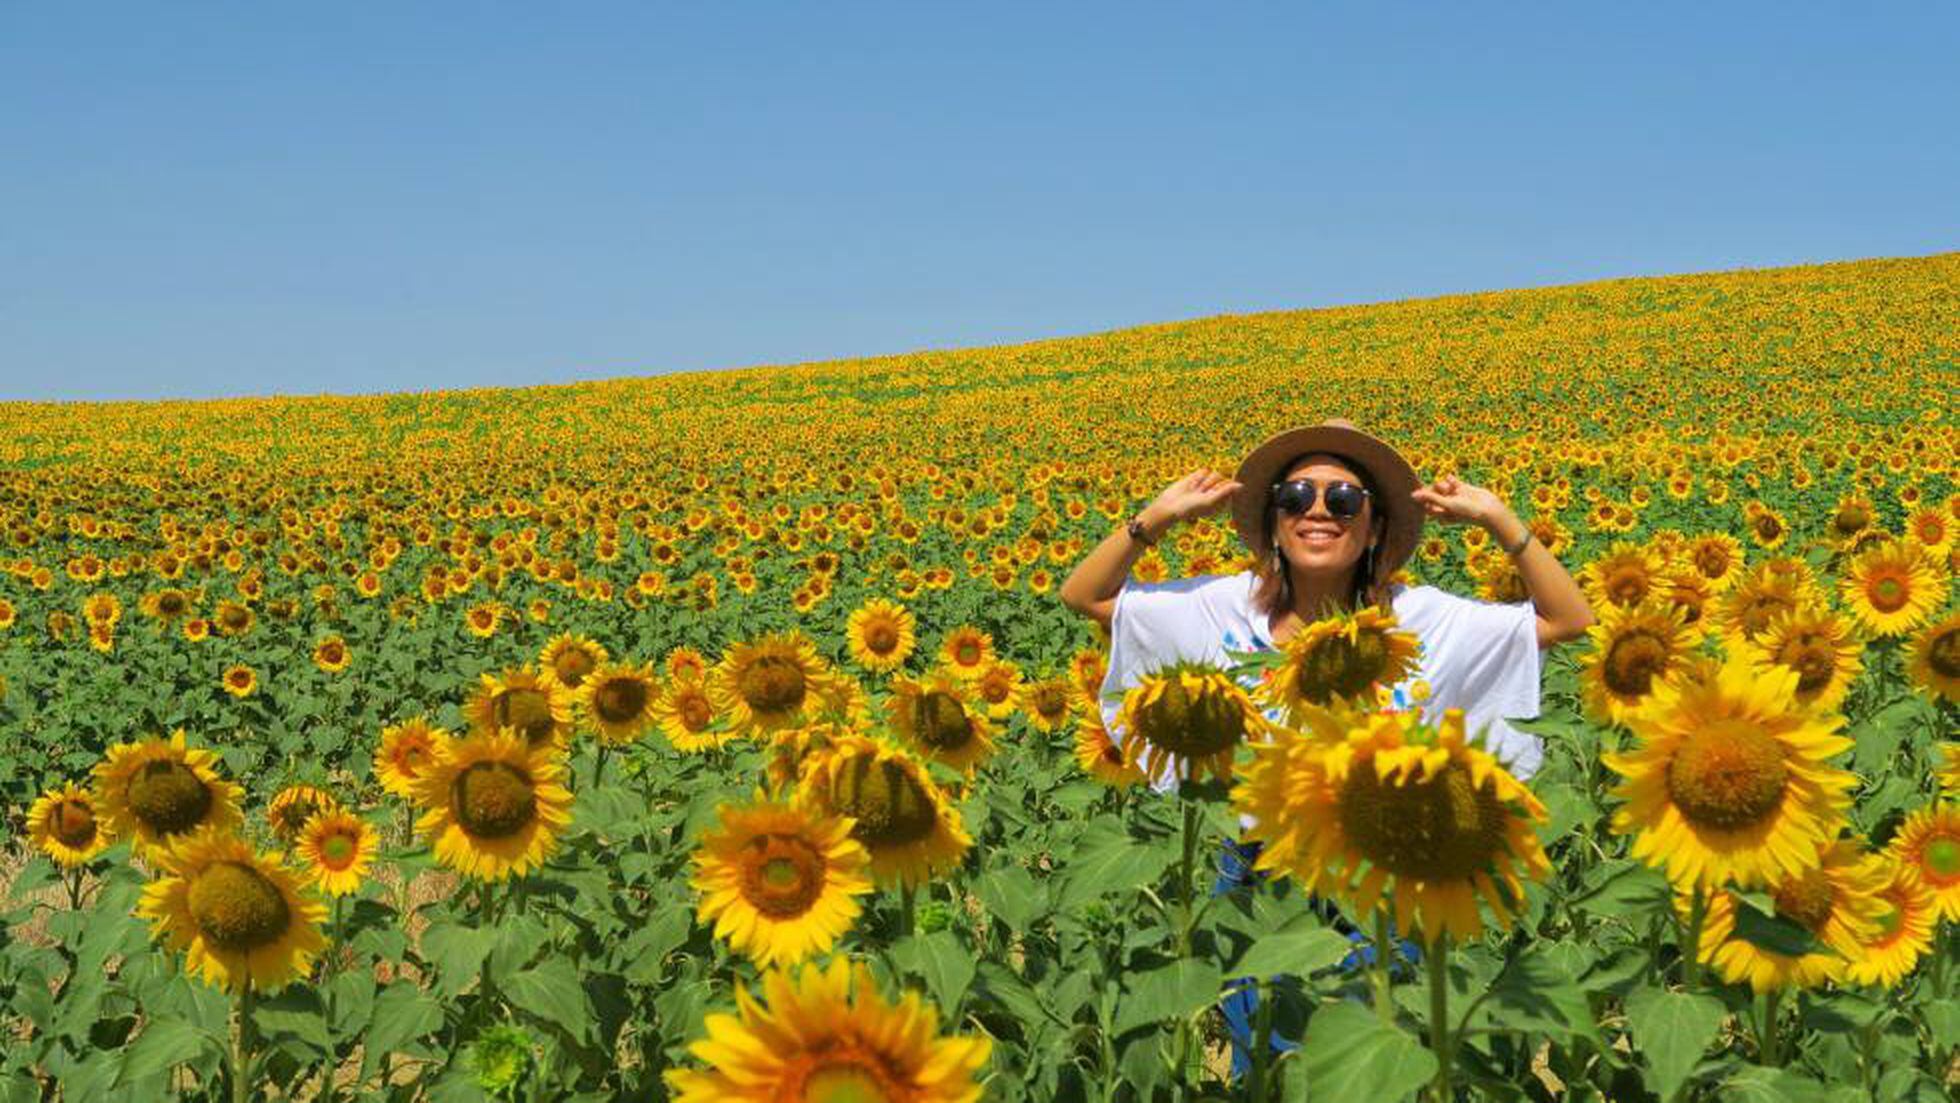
(336, 847)
(1048, 703)
(685, 712)
(1903, 931)
(1345, 657)
(293, 806)
(881, 635)
(1836, 898)
(522, 699)
(1634, 649)
(240, 916)
(1928, 843)
(160, 788)
(1100, 756)
(1729, 778)
(1935, 663)
(765, 685)
(619, 699)
(65, 825)
(406, 751)
(941, 717)
(899, 813)
(966, 651)
(779, 880)
(1624, 576)
(568, 659)
(1820, 647)
(1891, 587)
(495, 803)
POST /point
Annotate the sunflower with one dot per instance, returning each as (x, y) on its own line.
(1187, 718)
(63, 823)
(1100, 757)
(102, 607)
(685, 713)
(1905, 930)
(160, 788)
(966, 651)
(337, 847)
(1853, 516)
(406, 750)
(1935, 663)
(1741, 613)
(998, 687)
(912, 831)
(1836, 899)
(1932, 527)
(240, 916)
(687, 662)
(522, 698)
(1047, 703)
(1716, 557)
(1929, 842)
(1812, 641)
(1624, 576)
(240, 680)
(1088, 667)
(293, 806)
(568, 659)
(233, 619)
(1767, 528)
(331, 655)
(939, 716)
(766, 685)
(1343, 657)
(1634, 649)
(1891, 587)
(197, 629)
(494, 803)
(619, 698)
(1949, 769)
(167, 604)
(779, 881)
(881, 635)
(482, 619)
(827, 1034)
(1362, 804)
(1730, 778)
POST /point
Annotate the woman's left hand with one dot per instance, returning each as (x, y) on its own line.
(1451, 499)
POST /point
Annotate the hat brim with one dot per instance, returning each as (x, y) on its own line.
(1394, 481)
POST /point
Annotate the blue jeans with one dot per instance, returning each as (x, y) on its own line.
(1235, 870)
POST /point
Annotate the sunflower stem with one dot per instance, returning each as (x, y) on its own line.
(1185, 880)
(1439, 1011)
(1767, 1041)
(1262, 1041)
(241, 1056)
(1384, 983)
(1691, 943)
(599, 769)
(908, 902)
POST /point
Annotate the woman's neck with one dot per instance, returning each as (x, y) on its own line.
(1317, 595)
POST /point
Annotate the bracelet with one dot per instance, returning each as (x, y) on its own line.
(1135, 529)
(1522, 541)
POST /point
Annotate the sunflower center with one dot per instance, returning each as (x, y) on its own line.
(1050, 701)
(1812, 659)
(1728, 775)
(1888, 593)
(880, 638)
(620, 699)
(773, 684)
(1342, 668)
(1942, 858)
(940, 721)
(1760, 610)
(967, 652)
(1441, 829)
(849, 1077)
(1890, 924)
(412, 758)
(782, 875)
(1807, 900)
(695, 712)
(1944, 654)
(168, 797)
(292, 815)
(891, 808)
(572, 666)
(1627, 587)
(1712, 560)
(337, 851)
(996, 690)
(1850, 519)
(1192, 726)
(73, 823)
(1632, 663)
(237, 908)
(527, 710)
(1767, 527)
(493, 800)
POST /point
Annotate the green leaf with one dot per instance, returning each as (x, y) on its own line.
(1349, 1053)
(1106, 860)
(1301, 946)
(1168, 992)
(457, 952)
(1673, 1030)
(943, 963)
(403, 1013)
(295, 1013)
(1011, 895)
(999, 983)
(551, 991)
(1537, 991)
(1767, 931)
(1756, 1084)
(163, 1044)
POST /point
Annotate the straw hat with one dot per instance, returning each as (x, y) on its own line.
(1380, 465)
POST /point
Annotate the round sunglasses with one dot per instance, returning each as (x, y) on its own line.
(1345, 500)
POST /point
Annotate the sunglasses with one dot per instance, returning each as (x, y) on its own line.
(1345, 500)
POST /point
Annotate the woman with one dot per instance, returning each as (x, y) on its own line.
(1331, 514)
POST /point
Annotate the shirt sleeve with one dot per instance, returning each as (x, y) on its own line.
(1487, 662)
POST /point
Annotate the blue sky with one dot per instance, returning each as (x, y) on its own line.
(206, 199)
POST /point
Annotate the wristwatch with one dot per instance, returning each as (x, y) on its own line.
(1135, 528)
(1514, 549)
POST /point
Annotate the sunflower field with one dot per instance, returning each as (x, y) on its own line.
(721, 736)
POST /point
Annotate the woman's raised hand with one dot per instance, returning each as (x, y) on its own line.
(1201, 493)
(1451, 499)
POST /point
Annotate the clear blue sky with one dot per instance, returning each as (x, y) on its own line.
(205, 199)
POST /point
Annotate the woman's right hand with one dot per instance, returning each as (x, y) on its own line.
(1200, 494)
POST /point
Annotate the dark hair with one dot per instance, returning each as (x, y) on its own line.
(1273, 582)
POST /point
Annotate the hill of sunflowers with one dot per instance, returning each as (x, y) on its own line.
(721, 736)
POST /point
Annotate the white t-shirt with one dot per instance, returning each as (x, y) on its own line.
(1476, 656)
